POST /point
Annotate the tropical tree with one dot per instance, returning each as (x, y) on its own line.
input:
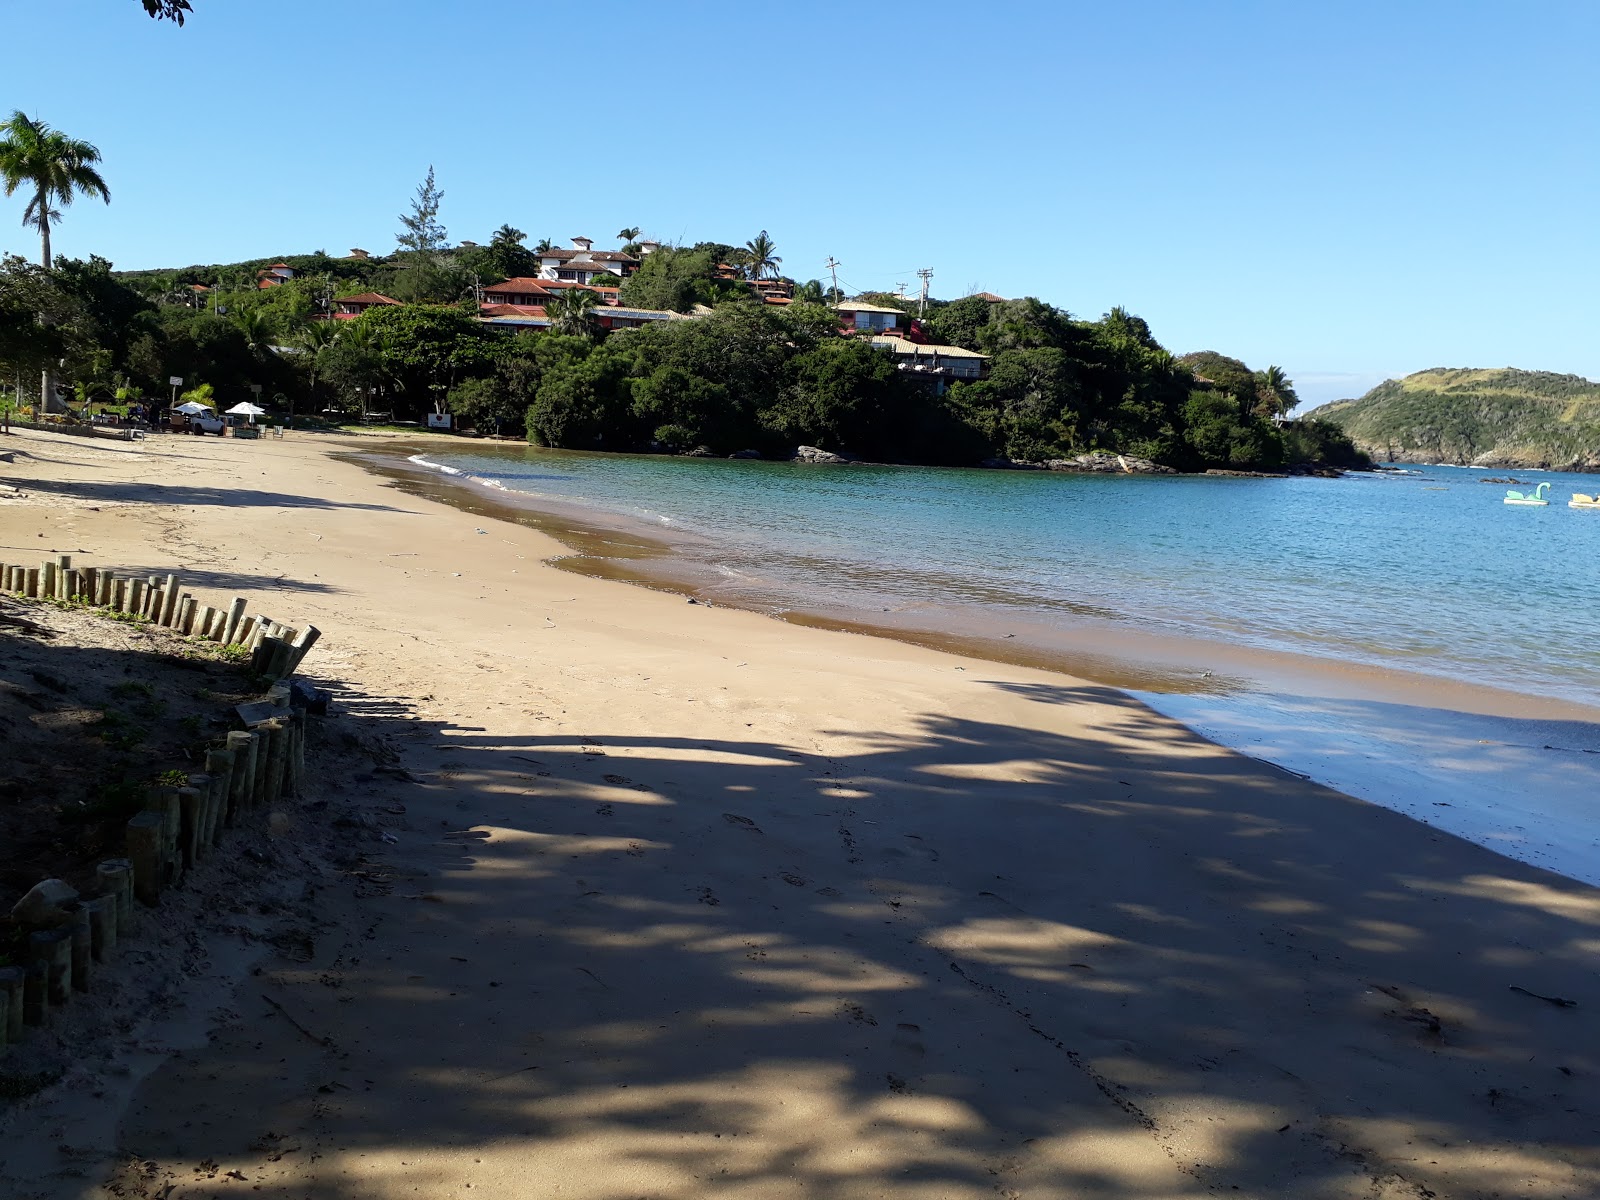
(420, 230)
(630, 234)
(572, 312)
(544, 245)
(1277, 391)
(760, 260)
(254, 324)
(314, 338)
(53, 166)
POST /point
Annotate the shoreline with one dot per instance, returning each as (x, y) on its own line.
(676, 890)
(1468, 754)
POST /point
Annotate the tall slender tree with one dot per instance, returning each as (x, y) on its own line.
(421, 231)
(630, 234)
(53, 166)
(760, 259)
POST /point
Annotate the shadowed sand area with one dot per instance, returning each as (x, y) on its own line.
(687, 902)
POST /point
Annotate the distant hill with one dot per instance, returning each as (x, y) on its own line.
(1497, 418)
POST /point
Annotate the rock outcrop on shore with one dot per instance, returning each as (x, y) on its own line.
(1099, 462)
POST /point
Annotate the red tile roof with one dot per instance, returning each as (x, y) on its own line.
(365, 298)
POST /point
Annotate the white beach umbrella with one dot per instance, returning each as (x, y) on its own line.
(191, 408)
(245, 409)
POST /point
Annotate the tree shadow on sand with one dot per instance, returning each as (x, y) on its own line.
(156, 492)
(976, 960)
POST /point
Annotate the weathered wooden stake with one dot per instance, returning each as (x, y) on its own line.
(242, 786)
(277, 746)
(47, 580)
(35, 993)
(169, 605)
(220, 766)
(246, 631)
(11, 983)
(82, 949)
(258, 795)
(192, 818)
(104, 598)
(136, 597)
(115, 877)
(208, 616)
(53, 948)
(186, 611)
(235, 615)
(102, 912)
(91, 584)
(153, 603)
(147, 852)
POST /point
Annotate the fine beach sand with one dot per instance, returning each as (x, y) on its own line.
(689, 902)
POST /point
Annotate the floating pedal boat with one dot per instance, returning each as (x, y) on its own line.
(1538, 496)
(1579, 500)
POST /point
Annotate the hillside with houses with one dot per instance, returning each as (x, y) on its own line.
(707, 349)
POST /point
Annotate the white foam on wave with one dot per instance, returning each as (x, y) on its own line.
(422, 461)
(1521, 787)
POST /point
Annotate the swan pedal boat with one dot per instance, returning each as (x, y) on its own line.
(1536, 498)
(1579, 500)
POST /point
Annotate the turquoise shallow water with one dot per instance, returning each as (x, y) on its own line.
(1425, 572)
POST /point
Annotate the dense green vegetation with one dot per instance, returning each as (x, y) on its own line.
(1490, 417)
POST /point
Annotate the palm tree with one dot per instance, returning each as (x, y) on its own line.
(759, 259)
(506, 235)
(255, 326)
(1278, 390)
(544, 245)
(55, 167)
(630, 234)
(314, 337)
(572, 312)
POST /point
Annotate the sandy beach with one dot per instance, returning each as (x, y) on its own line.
(683, 901)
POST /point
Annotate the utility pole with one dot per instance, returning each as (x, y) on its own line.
(925, 274)
(833, 269)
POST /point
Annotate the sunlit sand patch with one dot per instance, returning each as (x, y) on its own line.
(1478, 1168)
(1575, 905)
(1021, 941)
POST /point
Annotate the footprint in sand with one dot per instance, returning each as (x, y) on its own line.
(908, 1039)
(605, 810)
(618, 779)
(736, 819)
(792, 879)
(854, 1013)
(707, 896)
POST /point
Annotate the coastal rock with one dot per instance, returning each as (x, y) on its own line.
(1102, 463)
(45, 906)
(811, 454)
(745, 454)
(1010, 464)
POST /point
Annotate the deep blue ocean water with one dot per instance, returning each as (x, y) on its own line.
(1426, 571)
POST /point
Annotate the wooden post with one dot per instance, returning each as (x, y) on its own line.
(277, 734)
(47, 580)
(247, 629)
(220, 766)
(242, 786)
(136, 593)
(147, 851)
(115, 877)
(53, 948)
(169, 605)
(202, 627)
(235, 615)
(11, 984)
(302, 644)
(63, 566)
(258, 795)
(185, 615)
(91, 583)
(154, 603)
(282, 657)
(35, 993)
(102, 912)
(192, 818)
(82, 948)
(106, 580)
(119, 593)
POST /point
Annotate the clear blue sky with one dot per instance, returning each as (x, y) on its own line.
(1352, 190)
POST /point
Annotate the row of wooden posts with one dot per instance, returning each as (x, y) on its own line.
(179, 827)
(276, 650)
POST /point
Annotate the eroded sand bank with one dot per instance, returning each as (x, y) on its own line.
(688, 902)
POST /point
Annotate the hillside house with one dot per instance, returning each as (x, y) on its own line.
(862, 317)
(940, 366)
(348, 308)
(276, 275)
(582, 263)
